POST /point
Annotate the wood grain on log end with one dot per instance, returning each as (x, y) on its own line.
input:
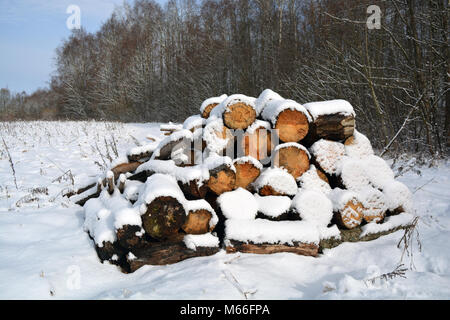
(222, 179)
(198, 222)
(208, 109)
(294, 160)
(239, 116)
(292, 125)
(246, 173)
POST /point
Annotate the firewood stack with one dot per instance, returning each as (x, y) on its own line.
(257, 175)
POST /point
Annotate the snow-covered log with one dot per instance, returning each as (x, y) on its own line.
(289, 117)
(348, 210)
(273, 208)
(293, 157)
(328, 155)
(238, 111)
(162, 202)
(209, 104)
(275, 182)
(168, 252)
(358, 145)
(374, 204)
(332, 120)
(248, 170)
(164, 149)
(201, 217)
(222, 174)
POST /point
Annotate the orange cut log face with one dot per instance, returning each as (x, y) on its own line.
(292, 125)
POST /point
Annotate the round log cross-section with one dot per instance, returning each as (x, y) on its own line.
(239, 116)
(293, 159)
(292, 125)
(164, 217)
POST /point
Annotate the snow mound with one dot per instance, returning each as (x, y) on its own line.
(279, 179)
(192, 241)
(313, 206)
(310, 180)
(398, 195)
(161, 185)
(359, 146)
(108, 213)
(265, 97)
(238, 204)
(273, 206)
(353, 174)
(377, 171)
(194, 122)
(274, 232)
(322, 108)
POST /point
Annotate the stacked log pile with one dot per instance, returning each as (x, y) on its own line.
(258, 175)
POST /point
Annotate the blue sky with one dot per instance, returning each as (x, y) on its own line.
(30, 30)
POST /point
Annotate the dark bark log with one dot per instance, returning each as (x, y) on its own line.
(162, 253)
(305, 249)
(164, 218)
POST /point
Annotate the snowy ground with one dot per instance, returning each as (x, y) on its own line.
(44, 252)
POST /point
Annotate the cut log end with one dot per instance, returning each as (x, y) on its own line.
(294, 160)
(198, 222)
(246, 173)
(206, 112)
(269, 191)
(164, 218)
(292, 125)
(351, 215)
(222, 179)
(239, 116)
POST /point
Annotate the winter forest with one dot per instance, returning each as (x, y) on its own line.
(158, 63)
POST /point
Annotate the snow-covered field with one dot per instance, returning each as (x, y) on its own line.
(45, 254)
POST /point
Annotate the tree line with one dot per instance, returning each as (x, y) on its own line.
(158, 63)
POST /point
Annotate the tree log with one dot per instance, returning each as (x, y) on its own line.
(193, 189)
(246, 173)
(208, 110)
(269, 191)
(336, 127)
(162, 253)
(128, 237)
(305, 249)
(198, 222)
(292, 125)
(164, 218)
(351, 215)
(222, 179)
(293, 159)
(124, 168)
(239, 116)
